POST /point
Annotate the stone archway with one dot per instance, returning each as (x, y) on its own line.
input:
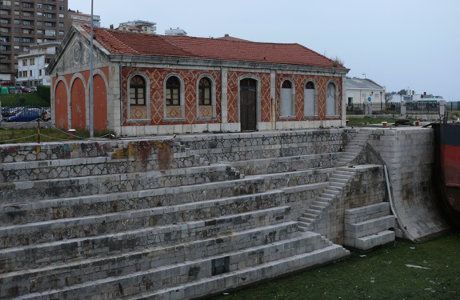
(61, 115)
(100, 103)
(78, 107)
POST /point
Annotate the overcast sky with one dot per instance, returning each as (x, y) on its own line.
(398, 43)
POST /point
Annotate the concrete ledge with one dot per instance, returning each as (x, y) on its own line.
(369, 227)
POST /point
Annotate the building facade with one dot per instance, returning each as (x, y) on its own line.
(175, 31)
(79, 18)
(27, 22)
(32, 64)
(364, 91)
(138, 26)
(152, 84)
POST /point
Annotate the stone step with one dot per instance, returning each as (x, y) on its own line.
(370, 241)
(308, 215)
(369, 227)
(105, 245)
(250, 152)
(285, 164)
(365, 213)
(173, 276)
(53, 209)
(70, 228)
(233, 280)
(90, 166)
(336, 184)
(54, 276)
(337, 176)
(28, 191)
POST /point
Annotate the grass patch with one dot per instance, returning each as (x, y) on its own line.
(454, 115)
(368, 120)
(381, 274)
(30, 99)
(14, 136)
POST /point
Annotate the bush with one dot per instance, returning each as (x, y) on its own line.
(45, 93)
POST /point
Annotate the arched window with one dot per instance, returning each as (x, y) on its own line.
(137, 91)
(310, 100)
(204, 91)
(331, 100)
(287, 99)
(173, 91)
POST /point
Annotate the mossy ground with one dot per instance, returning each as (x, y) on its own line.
(14, 136)
(429, 270)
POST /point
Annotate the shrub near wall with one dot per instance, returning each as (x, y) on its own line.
(45, 93)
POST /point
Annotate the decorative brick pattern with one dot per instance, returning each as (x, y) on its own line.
(300, 81)
(157, 77)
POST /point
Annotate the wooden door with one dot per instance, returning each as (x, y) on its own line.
(248, 104)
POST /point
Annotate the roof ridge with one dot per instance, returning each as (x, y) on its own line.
(227, 40)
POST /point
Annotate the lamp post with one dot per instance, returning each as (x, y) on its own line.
(91, 110)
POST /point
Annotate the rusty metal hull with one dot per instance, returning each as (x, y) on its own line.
(447, 142)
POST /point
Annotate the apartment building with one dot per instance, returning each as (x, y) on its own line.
(27, 22)
(32, 64)
(79, 18)
(138, 26)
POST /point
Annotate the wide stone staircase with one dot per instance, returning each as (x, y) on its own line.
(163, 218)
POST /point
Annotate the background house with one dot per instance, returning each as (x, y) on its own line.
(32, 64)
(359, 91)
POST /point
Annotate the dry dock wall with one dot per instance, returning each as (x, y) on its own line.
(408, 155)
(194, 215)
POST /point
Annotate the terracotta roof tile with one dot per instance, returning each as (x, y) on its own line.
(223, 49)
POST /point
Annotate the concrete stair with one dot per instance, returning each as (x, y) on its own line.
(367, 227)
(337, 181)
(354, 148)
(104, 221)
(339, 178)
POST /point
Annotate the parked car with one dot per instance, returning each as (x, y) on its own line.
(26, 115)
(27, 90)
(8, 111)
(46, 114)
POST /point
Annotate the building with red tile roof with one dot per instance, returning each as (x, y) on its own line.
(153, 84)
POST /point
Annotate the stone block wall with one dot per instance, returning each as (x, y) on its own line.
(408, 155)
(366, 188)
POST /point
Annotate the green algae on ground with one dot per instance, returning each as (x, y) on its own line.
(429, 270)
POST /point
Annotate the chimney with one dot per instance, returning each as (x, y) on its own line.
(227, 35)
(111, 26)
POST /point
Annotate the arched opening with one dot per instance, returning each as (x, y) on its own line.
(61, 116)
(205, 98)
(287, 99)
(310, 100)
(248, 104)
(173, 98)
(100, 104)
(78, 107)
(137, 98)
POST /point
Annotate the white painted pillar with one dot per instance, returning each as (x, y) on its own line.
(224, 99)
(273, 100)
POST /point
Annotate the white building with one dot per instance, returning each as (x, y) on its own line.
(175, 31)
(138, 26)
(411, 96)
(32, 65)
(79, 18)
(363, 91)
